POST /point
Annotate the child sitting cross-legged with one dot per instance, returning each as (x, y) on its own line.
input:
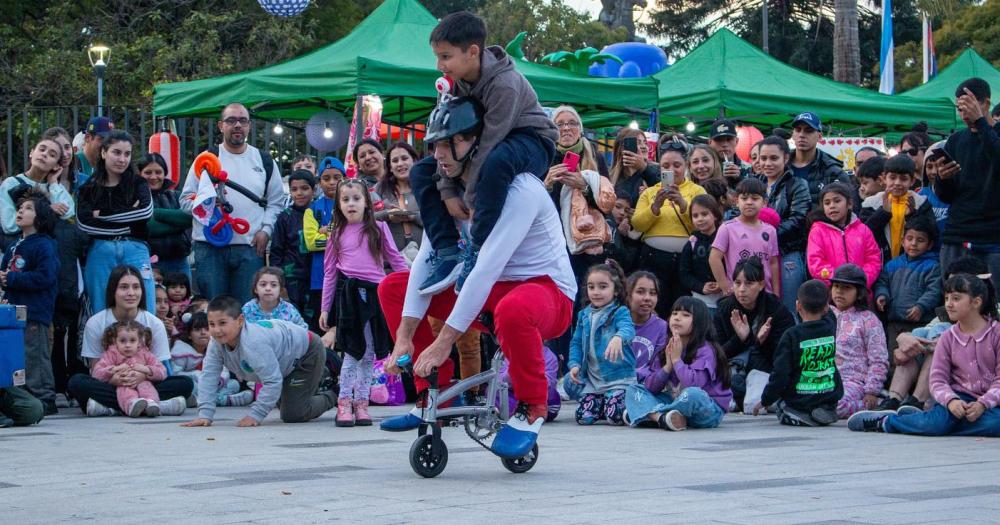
(805, 384)
(127, 345)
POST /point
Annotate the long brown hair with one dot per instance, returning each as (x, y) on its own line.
(368, 225)
(617, 168)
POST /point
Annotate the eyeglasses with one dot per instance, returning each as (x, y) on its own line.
(911, 152)
(232, 121)
(567, 125)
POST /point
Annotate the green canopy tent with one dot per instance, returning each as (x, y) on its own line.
(387, 54)
(968, 64)
(729, 76)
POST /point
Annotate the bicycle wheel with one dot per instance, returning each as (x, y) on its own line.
(426, 459)
(522, 464)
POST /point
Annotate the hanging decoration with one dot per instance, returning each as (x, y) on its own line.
(284, 8)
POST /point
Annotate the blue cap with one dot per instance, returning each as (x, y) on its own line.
(330, 162)
(809, 118)
(99, 126)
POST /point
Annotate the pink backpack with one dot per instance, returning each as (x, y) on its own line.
(387, 389)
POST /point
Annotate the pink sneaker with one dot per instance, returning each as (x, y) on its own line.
(345, 414)
(361, 417)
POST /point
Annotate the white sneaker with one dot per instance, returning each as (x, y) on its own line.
(152, 408)
(95, 409)
(173, 407)
(240, 399)
(137, 407)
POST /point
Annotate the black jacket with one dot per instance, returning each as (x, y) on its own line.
(805, 372)
(694, 268)
(286, 253)
(72, 244)
(761, 355)
(824, 170)
(974, 194)
(791, 200)
(174, 245)
(650, 176)
(351, 314)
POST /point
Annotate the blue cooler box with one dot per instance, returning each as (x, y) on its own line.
(12, 320)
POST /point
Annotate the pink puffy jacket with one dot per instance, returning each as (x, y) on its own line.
(829, 247)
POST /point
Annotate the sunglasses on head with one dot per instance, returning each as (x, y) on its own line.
(673, 145)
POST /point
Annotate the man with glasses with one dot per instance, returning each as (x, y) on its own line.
(817, 167)
(258, 199)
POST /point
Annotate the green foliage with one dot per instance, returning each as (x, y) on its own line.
(578, 61)
(551, 25)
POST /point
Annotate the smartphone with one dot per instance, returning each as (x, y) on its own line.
(630, 144)
(572, 161)
(940, 153)
(667, 179)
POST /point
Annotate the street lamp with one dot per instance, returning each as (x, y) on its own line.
(99, 56)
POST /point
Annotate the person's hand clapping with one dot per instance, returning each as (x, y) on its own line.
(740, 325)
(765, 330)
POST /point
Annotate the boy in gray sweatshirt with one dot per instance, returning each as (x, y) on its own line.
(285, 358)
(517, 136)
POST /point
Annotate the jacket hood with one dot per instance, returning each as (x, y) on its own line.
(494, 62)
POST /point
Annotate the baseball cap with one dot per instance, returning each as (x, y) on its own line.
(809, 118)
(723, 128)
(850, 274)
(100, 126)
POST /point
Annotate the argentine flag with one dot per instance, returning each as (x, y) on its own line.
(886, 84)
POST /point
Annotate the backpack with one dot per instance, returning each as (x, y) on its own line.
(268, 163)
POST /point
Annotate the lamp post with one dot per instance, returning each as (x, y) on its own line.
(99, 56)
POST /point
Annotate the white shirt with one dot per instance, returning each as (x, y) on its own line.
(100, 321)
(247, 170)
(8, 209)
(527, 242)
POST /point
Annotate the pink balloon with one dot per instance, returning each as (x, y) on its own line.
(748, 136)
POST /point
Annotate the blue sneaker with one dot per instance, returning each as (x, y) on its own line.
(445, 267)
(402, 423)
(469, 258)
(869, 420)
(516, 437)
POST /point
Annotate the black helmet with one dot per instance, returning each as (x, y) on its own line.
(850, 274)
(454, 116)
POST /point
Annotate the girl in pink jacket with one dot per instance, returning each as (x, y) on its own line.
(839, 238)
(127, 349)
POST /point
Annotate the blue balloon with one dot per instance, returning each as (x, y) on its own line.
(639, 60)
(225, 235)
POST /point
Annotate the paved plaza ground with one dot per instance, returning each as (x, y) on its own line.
(72, 469)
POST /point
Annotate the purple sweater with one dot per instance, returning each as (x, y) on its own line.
(969, 364)
(650, 338)
(700, 373)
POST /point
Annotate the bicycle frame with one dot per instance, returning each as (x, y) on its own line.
(490, 377)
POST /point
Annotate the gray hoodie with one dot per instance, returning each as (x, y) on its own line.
(510, 103)
(267, 352)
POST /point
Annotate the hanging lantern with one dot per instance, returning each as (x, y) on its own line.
(748, 136)
(284, 8)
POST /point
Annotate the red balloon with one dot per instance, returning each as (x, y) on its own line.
(748, 136)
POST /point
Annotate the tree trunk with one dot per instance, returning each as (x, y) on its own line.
(846, 52)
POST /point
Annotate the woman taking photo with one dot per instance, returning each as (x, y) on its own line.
(630, 170)
(787, 195)
(369, 158)
(113, 208)
(664, 218)
(399, 206)
(170, 227)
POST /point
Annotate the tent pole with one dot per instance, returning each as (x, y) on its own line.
(359, 110)
(402, 129)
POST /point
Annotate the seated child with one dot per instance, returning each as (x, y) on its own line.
(688, 382)
(286, 359)
(964, 374)
(286, 239)
(805, 383)
(186, 356)
(601, 363)
(163, 312)
(909, 387)
(268, 289)
(870, 180)
(650, 329)
(862, 358)
(909, 287)
(178, 293)
(127, 348)
(885, 213)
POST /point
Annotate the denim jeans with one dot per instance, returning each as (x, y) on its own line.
(523, 151)
(793, 274)
(226, 271)
(938, 421)
(103, 256)
(179, 265)
(950, 252)
(694, 403)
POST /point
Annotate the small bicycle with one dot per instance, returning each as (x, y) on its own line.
(481, 420)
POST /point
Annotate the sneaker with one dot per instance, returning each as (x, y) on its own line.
(240, 399)
(62, 401)
(191, 401)
(152, 408)
(905, 410)
(913, 402)
(445, 267)
(625, 418)
(468, 263)
(137, 407)
(173, 407)
(673, 420)
(345, 413)
(361, 417)
(791, 417)
(50, 408)
(824, 416)
(518, 435)
(95, 409)
(889, 403)
(868, 420)
(6, 422)
(402, 423)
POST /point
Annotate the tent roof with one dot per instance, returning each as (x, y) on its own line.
(968, 64)
(754, 87)
(387, 54)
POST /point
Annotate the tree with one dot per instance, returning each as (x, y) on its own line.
(846, 52)
(958, 24)
(551, 26)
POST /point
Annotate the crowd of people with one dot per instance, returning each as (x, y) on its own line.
(671, 281)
